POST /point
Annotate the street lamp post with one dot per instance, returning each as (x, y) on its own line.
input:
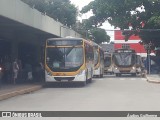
(148, 48)
(149, 62)
(86, 32)
(61, 29)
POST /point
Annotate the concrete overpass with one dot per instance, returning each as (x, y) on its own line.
(23, 31)
(20, 17)
(22, 24)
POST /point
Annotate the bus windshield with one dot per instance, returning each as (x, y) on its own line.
(124, 59)
(107, 61)
(62, 59)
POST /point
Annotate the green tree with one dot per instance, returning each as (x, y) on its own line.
(122, 13)
(40, 5)
(61, 10)
(91, 32)
(99, 35)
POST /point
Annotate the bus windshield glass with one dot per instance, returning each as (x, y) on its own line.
(64, 59)
(124, 59)
(107, 61)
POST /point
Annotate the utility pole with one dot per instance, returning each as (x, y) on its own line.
(61, 29)
(148, 48)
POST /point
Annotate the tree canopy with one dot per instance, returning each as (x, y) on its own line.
(66, 13)
(99, 35)
(93, 33)
(61, 10)
(142, 15)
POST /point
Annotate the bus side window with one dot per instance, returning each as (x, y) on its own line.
(101, 55)
(89, 52)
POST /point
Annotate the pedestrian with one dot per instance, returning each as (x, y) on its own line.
(20, 76)
(28, 68)
(40, 69)
(15, 70)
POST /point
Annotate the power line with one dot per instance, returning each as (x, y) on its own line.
(150, 30)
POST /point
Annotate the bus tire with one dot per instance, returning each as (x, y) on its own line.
(101, 75)
(134, 74)
(84, 83)
(117, 74)
(90, 80)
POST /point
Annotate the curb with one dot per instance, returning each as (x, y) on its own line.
(19, 92)
(152, 81)
(157, 82)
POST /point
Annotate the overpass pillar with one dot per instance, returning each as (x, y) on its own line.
(14, 49)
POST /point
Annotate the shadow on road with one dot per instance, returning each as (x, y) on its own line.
(68, 85)
(122, 76)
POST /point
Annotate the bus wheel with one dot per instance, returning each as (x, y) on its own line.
(90, 80)
(134, 74)
(101, 75)
(87, 80)
(84, 83)
(112, 73)
(117, 74)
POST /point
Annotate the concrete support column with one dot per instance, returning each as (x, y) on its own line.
(14, 49)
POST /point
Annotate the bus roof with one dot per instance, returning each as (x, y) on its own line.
(65, 39)
(121, 50)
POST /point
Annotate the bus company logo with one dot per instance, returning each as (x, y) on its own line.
(20, 114)
(6, 114)
(64, 74)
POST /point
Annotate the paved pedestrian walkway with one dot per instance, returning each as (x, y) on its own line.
(7, 91)
(153, 78)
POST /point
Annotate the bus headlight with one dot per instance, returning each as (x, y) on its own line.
(80, 72)
(116, 68)
(133, 68)
(49, 73)
(0, 69)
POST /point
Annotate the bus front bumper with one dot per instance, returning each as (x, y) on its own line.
(133, 70)
(77, 78)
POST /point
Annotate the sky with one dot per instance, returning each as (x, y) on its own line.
(106, 25)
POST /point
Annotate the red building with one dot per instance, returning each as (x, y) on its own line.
(132, 43)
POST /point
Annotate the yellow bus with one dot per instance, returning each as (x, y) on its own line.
(108, 65)
(124, 62)
(69, 60)
(98, 61)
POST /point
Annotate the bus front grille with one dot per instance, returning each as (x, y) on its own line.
(64, 78)
(125, 71)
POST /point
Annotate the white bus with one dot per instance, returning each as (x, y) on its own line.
(69, 60)
(108, 65)
(124, 62)
(98, 61)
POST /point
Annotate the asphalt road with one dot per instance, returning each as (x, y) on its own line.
(103, 94)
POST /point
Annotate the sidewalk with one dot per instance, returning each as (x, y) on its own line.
(153, 78)
(7, 91)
